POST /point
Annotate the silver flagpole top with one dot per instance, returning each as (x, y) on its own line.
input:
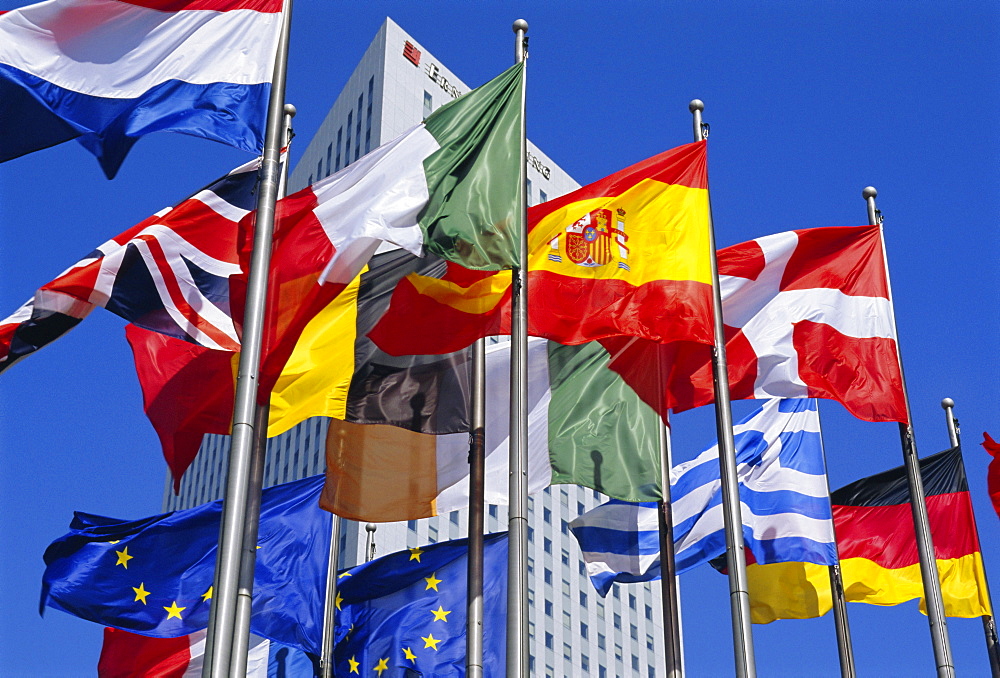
(696, 105)
(946, 403)
(371, 527)
(868, 192)
(520, 25)
(290, 110)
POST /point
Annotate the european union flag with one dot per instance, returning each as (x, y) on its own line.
(154, 576)
(404, 614)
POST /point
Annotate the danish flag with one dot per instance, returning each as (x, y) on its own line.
(807, 314)
(170, 273)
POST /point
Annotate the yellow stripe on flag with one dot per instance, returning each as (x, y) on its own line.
(788, 591)
(652, 231)
(963, 584)
(315, 379)
(480, 297)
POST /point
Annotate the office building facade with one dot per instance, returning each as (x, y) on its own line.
(574, 632)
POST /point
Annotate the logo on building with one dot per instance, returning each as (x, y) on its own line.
(597, 239)
(435, 74)
(539, 166)
(411, 53)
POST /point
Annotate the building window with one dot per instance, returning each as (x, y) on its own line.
(530, 203)
(618, 652)
(585, 663)
(580, 508)
(454, 517)
(411, 525)
(615, 592)
(368, 116)
(357, 135)
(567, 652)
(547, 545)
(319, 169)
(652, 672)
(567, 619)
(649, 613)
(548, 640)
(584, 631)
(310, 180)
(548, 576)
(432, 533)
(547, 515)
(340, 138)
(582, 567)
(548, 608)
(542, 197)
(347, 146)
(635, 663)
(618, 621)
(649, 642)
(602, 672)
(428, 103)
(565, 557)
(634, 632)
(565, 528)
(631, 601)
(493, 511)
(600, 641)
(531, 565)
(531, 535)
(583, 599)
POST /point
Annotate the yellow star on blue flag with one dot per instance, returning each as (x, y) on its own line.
(406, 616)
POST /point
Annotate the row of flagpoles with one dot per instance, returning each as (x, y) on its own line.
(228, 637)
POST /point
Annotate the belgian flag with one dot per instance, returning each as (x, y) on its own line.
(878, 546)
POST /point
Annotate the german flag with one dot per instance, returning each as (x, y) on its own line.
(878, 547)
(627, 255)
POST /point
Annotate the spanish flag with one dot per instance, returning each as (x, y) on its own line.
(627, 255)
(878, 549)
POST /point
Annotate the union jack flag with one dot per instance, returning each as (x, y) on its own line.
(169, 273)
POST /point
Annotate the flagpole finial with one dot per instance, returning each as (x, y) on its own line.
(696, 105)
(520, 25)
(290, 110)
(868, 192)
(947, 403)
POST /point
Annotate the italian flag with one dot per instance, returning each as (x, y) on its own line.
(585, 426)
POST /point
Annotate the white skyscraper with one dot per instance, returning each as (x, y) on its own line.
(574, 632)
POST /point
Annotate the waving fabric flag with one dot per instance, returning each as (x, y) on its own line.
(129, 655)
(586, 427)
(153, 576)
(993, 474)
(405, 613)
(169, 273)
(107, 72)
(878, 548)
(783, 493)
(807, 314)
(601, 259)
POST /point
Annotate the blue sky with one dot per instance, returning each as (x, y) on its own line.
(808, 103)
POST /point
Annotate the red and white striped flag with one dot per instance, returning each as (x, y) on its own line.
(807, 315)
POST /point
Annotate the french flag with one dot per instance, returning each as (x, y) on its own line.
(106, 72)
(129, 655)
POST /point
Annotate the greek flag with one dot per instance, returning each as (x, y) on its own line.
(783, 495)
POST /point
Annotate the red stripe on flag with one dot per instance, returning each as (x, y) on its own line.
(180, 303)
(884, 534)
(129, 655)
(863, 374)
(847, 258)
(745, 260)
(266, 6)
(993, 474)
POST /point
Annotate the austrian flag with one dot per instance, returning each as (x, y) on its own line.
(807, 314)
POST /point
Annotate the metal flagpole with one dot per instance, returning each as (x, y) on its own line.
(477, 499)
(918, 505)
(222, 617)
(370, 528)
(248, 559)
(989, 624)
(845, 649)
(330, 601)
(668, 566)
(517, 521)
(739, 595)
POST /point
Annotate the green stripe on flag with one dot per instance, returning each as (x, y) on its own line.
(601, 435)
(475, 208)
